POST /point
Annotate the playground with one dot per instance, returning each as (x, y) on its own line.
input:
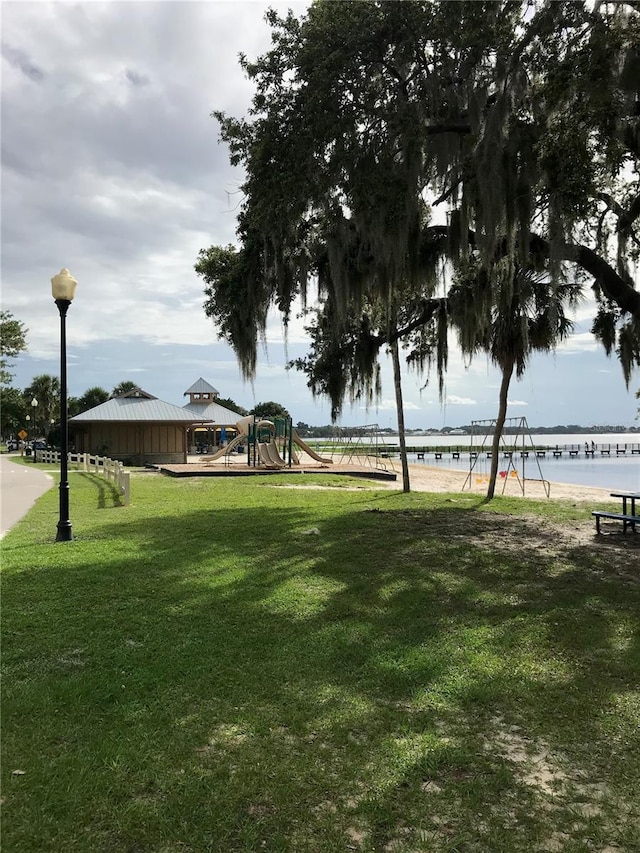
(262, 446)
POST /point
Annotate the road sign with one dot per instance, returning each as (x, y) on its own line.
(22, 434)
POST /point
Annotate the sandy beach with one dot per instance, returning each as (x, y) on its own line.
(423, 478)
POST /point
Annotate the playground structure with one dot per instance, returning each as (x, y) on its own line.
(522, 435)
(269, 444)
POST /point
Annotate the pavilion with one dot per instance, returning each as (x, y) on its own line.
(136, 428)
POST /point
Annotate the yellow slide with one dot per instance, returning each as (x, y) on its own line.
(224, 450)
(270, 456)
(308, 450)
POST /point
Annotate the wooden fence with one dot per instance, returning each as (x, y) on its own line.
(112, 469)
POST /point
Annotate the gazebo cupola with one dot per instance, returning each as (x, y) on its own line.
(201, 393)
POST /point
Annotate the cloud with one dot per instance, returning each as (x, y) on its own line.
(453, 400)
(19, 60)
(390, 405)
(578, 343)
(135, 78)
(517, 403)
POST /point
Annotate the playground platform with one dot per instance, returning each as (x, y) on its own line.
(237, 467)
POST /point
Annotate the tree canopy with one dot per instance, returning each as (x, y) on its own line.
(228, 403)
(390, 144)
(13, 410)
(269, 410)
(123, 388)
(91, 398)
(13, 341)
(45, 389)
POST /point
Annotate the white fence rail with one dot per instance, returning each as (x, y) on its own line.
(112, 469)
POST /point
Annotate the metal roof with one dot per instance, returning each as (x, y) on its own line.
(201, 387)
(139, 409)
(213, 412)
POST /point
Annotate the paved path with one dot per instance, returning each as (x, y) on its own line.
(20, 488)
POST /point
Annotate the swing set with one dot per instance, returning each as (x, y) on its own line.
(520, 444)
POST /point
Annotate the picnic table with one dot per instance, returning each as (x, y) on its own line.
(628, 516)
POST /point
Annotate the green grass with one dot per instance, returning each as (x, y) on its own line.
(198, 672)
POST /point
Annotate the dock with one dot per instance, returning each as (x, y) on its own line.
(588, 450)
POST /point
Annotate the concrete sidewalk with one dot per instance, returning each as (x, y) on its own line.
(20, 488)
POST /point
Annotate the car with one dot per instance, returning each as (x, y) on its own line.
(13, 444)
(38, 444)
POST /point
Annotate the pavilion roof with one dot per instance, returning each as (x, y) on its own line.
(201, 386)
(142, 408)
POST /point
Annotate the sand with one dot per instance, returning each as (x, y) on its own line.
(423, 478)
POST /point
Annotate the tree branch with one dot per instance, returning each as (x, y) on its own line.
(614, 287)
(629, 216)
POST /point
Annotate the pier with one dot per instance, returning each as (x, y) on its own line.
(589, 450)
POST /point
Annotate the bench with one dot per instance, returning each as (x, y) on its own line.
(627, 520)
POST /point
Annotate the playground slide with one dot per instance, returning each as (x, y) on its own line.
(270, 456)
(226, 449)
(272, 450)
(308, 450)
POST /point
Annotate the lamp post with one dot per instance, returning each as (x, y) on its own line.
(63, 289)
(34, 406)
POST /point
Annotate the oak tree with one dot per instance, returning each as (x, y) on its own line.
(390, 145)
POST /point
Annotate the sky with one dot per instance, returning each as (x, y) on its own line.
(112, 167)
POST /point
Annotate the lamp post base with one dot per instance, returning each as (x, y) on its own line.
(65, 532)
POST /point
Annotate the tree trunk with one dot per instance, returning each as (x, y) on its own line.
(397, 382)
(507, 373)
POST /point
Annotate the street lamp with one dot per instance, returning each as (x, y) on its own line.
(34, 406)
(63, 289)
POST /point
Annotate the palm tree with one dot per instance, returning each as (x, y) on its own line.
(92, 397)
(123, 387)
(397, 384)
(509, 316)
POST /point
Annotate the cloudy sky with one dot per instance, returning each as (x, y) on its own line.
(111, 167)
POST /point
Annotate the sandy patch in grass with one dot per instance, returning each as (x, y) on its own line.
(533, 762)
(549, 774)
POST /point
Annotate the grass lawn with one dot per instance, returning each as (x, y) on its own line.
(199, 672)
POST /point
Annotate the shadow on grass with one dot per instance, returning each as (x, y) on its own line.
(108, 494)
(233, 660)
